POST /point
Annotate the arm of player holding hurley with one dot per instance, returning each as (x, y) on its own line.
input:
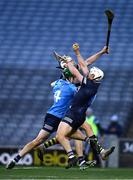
(92, 58)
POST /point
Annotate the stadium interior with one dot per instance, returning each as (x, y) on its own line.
(29, 33)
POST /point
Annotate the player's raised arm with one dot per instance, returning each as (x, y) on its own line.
(92, 58)
(81, 61)
(96, 56)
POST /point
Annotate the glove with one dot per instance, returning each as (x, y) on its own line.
(75, 46)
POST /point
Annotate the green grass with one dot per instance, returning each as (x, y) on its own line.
(62, 173)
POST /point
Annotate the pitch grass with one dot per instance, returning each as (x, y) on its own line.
(61, 173)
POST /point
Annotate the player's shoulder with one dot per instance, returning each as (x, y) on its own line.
(73, 87)
(66, 85)
(64, 82)
(61, 81)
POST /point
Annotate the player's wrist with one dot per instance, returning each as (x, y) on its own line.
(77, 53)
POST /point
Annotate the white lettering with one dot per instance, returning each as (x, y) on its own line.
(57, 95)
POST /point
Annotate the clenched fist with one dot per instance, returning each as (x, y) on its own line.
(105, 50)
(75, 46)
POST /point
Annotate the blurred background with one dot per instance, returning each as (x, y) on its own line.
(29, 32)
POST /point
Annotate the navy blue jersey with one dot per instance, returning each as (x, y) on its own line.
(64, 92)
(83, 98)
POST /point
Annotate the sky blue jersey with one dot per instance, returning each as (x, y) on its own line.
(64, 92)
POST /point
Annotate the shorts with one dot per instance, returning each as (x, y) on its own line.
(51, 123)
(75, 120)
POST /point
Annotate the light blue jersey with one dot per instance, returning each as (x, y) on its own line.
(64, 92)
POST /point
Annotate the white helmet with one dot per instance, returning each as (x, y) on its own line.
(98, 73)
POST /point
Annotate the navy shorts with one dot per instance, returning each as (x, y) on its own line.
(51, 123)
(75, 120)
